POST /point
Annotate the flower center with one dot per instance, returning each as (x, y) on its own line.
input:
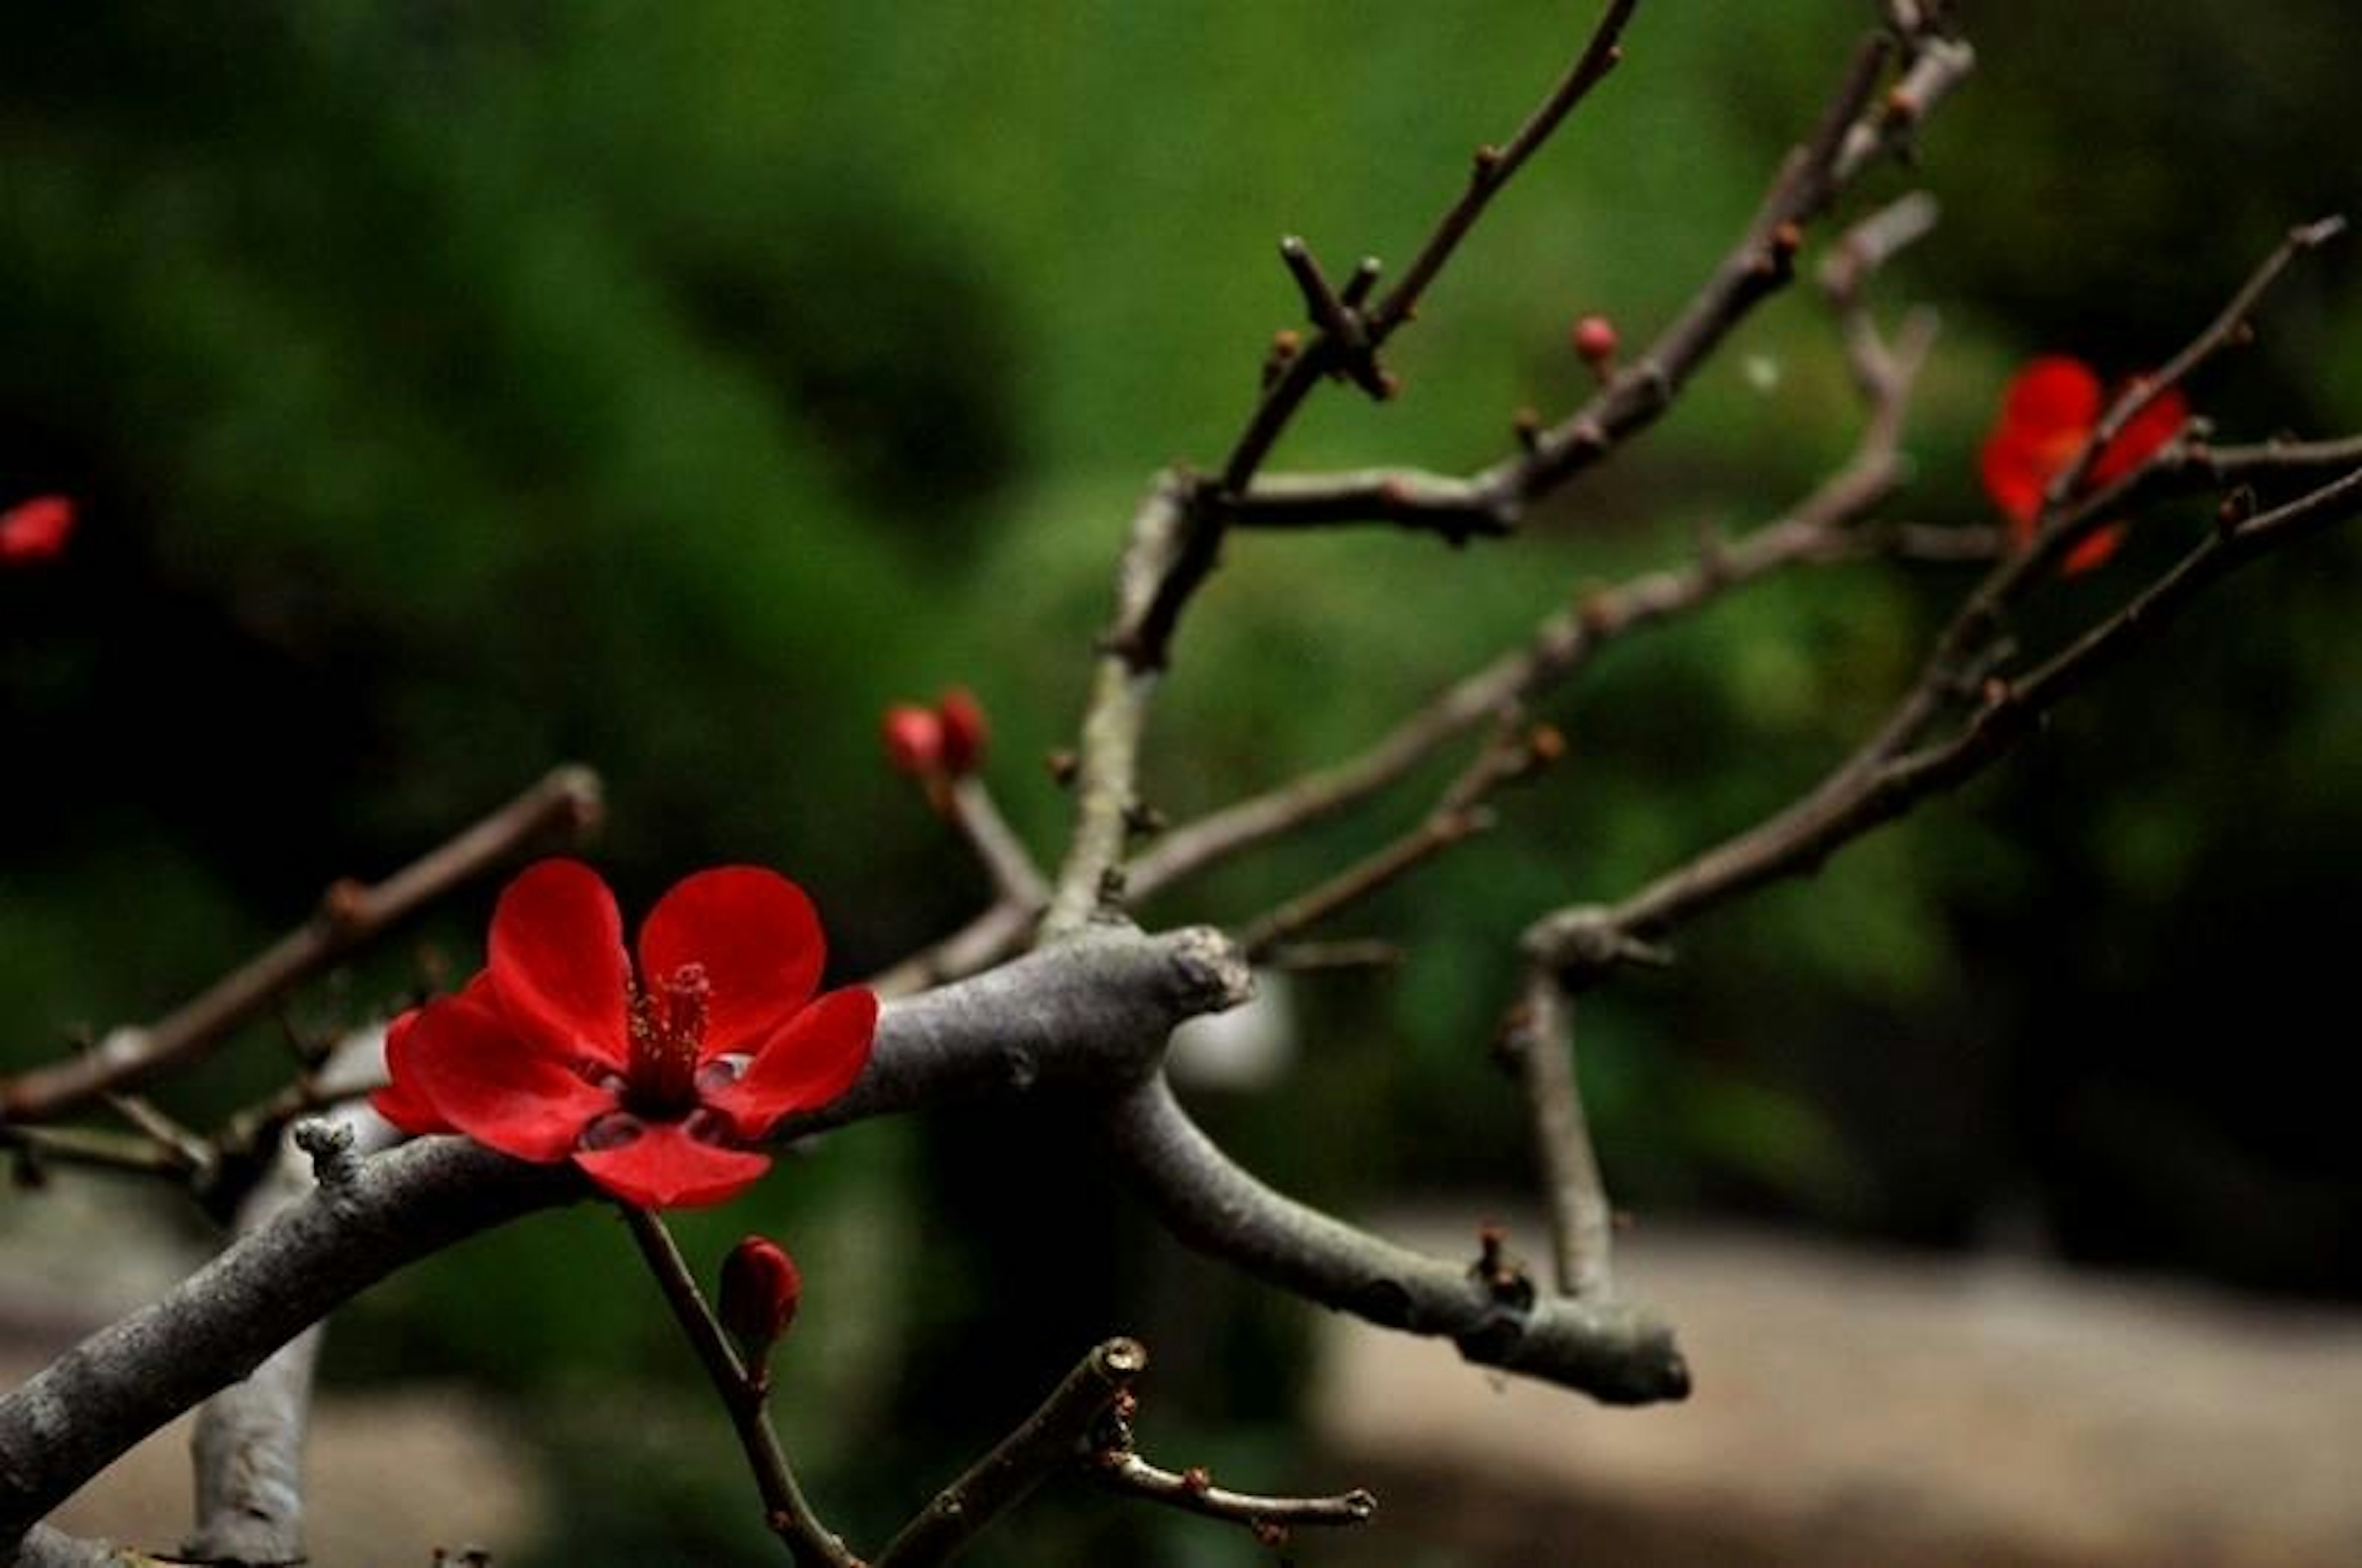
(667, 1038)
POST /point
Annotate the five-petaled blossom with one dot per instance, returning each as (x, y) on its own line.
(2050, 410)
(36, 529)
(655, 1080)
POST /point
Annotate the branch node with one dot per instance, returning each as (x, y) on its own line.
(335, 1166)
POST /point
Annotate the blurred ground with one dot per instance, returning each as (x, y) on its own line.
(1862, 1406)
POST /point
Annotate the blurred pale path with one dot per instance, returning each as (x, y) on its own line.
(1858, 1405)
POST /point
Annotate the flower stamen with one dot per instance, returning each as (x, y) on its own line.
(667, 1036)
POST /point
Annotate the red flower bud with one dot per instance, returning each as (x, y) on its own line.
(965, 731)
(1595, 342)
(36, 529)
(914, 740)
(760, 1289)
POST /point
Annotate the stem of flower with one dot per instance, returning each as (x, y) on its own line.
(746, 1398)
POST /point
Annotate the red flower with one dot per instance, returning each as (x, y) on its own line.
(36, 529)
(2049, 412)
(655, 1081)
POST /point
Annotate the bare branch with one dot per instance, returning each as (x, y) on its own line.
(565, 804)
(1193, 1491)
(1611, 1350)
(1512, 755)
(2229, 327)
(1107, 776)
(1882, 780)
(1048, 1442)
(1538, 1045)
(1346, 342)
(1015, 878)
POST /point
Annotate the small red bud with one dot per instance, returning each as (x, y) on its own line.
(1595, 342)
(961, 722)
(914, 740)
(760, 1289)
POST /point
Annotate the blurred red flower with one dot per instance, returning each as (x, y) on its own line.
(36, 529)
(2052, 406)
(656, 1080)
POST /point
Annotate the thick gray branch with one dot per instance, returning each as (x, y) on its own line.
(1612, 1352)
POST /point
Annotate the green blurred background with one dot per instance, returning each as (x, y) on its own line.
(455, 390)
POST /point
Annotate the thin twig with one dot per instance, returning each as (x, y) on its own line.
(1193, 1491)
(351, 915)
(1884, 779)
(809, 1542)
(1107, 771)
(1049, 1440)
(1854, 127)
(1346, 341)
(2229, 327)
(1825, 526)
(1016, 880)
(1514, 754)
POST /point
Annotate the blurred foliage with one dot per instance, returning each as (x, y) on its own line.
(455, 390)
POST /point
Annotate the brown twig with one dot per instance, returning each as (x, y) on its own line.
(350, 916)
(1016, 880)
(747, 1399)
(1107, 770)
(1346, 341)
(1515, 753)
(1887, 776)
(1637, 394)
(1047, 1442)
(1826, 526)
(2229, 327)
(1193, 1491)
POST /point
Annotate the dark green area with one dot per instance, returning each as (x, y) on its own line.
(452, 390)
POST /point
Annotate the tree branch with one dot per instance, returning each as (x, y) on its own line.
(1095, 1011)
(1538, 1045)
(1611, 1350)
(1048, 1441)
(566, 803)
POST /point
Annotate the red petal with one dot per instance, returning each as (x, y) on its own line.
(557, 962)
(2137, 442)
(2049, 394)
(758, 938)
(804, 1066)
(466, 1066)
(666, 1168)
(2015, 474)
(399, 1102)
